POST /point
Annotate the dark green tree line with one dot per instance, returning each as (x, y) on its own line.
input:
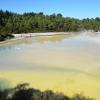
(12, 23)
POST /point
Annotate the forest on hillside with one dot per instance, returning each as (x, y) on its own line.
(12, 23)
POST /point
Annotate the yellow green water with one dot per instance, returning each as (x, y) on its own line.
(64, 63)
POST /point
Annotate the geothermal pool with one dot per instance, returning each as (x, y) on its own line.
(68, 63)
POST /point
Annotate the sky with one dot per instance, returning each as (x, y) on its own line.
(68, 8)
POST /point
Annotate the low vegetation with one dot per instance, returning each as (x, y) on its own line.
(6, 37)
(24, 92)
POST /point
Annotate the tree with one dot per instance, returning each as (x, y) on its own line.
(12, 23)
